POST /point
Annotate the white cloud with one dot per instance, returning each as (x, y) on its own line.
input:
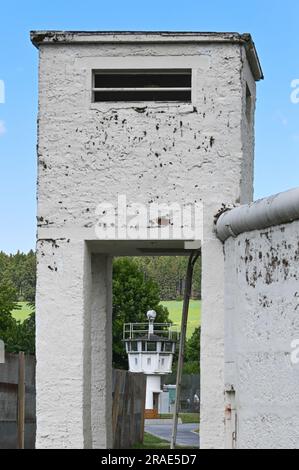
(2, 128)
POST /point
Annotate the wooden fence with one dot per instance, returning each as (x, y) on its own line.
(127, 413)
(17, 402)
(128, 408)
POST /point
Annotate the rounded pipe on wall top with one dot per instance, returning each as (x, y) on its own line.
(275, 210)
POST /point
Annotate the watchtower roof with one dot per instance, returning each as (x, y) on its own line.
(90, 37)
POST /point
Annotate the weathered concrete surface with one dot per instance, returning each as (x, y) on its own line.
(91, 152)
(60, 344)
(73, 346)
(262, 274)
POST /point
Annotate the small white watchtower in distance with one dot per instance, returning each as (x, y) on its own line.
(150, 350)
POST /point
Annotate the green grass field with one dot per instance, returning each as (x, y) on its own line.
(174, 308)
(152, 442)
(23, 312)
(187, 418)
(175, 313)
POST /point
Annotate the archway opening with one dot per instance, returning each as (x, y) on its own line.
(154, 281)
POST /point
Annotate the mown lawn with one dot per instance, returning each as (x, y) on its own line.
(23, 312)
(175, 313)
(174, 308)
(152, 442)
(187, 418)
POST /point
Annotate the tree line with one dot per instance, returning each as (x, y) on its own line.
(168, 273)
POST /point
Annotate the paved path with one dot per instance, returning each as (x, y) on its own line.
(185, 435)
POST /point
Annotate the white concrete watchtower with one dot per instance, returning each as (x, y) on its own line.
(150, 348)
(131, 119)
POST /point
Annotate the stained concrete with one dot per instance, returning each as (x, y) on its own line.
(261, 321)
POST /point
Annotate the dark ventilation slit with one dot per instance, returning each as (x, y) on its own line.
(142, 85)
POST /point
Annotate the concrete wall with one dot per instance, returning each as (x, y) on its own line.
(262, 274)
(73, 347)
(91, 152)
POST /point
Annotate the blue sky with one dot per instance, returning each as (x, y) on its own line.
(273, 24)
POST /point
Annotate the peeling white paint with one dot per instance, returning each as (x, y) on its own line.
(262, 302)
